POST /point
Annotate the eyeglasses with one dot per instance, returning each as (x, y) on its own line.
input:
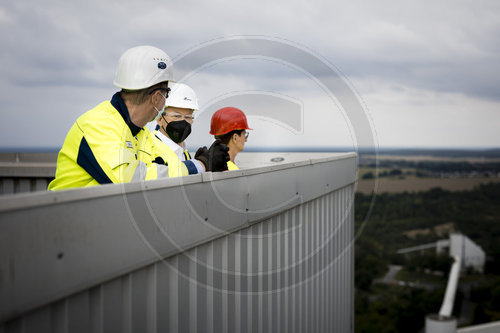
(177, 116)
(246, 134)
(163, 89)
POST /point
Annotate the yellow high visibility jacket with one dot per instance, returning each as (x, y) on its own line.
(231, 166)
(175, 166)
(175, 147)
(100, 148)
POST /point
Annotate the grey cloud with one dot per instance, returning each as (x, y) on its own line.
(78, 44)
(444, 45)
(473, 79)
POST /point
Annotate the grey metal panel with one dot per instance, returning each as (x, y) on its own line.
(273, 272)
(95, 310)
(151, 310)
(322, 265)
(23, 185)
(28, 158)
(256, 271)
(291, 271)
(78, 313)
(60, 317)
(16, 185)
(40, 184)
(40, 167)
(137, 301)
(173, 296)
(219, 291)
(286, 273)
(282, 272)
(28, 165)
(15, 326)
(7, 185)
(39, 321)
(231, 283)
(162, 296)
(264, 278)
(8, 157)
(28, 170)
(243, 283)
(182, 305)
(193, 292)
(200, 256)
(112, 305)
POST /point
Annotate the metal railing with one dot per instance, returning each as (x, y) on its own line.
(266, 249)
(26, 172)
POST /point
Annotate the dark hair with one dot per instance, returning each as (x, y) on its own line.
(138, 97)
(226, 137)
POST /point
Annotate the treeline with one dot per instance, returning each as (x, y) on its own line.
(395, 309)
(381, 231)
(438, 166)
(440, 153)
(475, 213)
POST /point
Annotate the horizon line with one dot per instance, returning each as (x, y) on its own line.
(291, 149)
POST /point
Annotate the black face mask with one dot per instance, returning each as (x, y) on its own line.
(178, 131)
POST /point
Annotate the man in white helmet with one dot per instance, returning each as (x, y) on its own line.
(109, 143)
(174, 125)
(172, 128)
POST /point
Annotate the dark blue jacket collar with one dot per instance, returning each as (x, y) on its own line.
(119, 105)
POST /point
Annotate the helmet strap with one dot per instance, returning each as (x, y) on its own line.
(164, 128)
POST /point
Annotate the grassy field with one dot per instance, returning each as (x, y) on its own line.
(417, 158)
(414, 184)
(407, 180)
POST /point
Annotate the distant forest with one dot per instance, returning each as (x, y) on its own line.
(438, 166)
(383, 229)
(442, 152)
(475, 213)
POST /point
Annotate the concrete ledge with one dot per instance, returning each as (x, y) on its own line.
(54, 244)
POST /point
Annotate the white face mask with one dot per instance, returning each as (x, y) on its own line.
(159, 111)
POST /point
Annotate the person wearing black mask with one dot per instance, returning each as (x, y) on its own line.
(174, 126)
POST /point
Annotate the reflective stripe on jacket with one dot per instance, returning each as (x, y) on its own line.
(100, 148)
(231, 166)
(175, 166)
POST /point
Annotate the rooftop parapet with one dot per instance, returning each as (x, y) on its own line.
(131, 255)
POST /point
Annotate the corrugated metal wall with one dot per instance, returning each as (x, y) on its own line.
(13, 185)
(293, 272)
(26, 172)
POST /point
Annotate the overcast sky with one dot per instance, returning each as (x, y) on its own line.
(425, 72)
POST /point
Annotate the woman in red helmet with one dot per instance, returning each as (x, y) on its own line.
(230, 125)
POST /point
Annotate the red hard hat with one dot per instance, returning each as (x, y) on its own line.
(228, 119)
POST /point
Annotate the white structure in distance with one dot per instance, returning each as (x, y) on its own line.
(458, 245)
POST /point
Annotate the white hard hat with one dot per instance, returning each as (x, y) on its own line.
(182, 96)
(142, 67)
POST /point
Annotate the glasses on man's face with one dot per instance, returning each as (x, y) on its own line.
(246, 134)
(167, 91)
(178, 117)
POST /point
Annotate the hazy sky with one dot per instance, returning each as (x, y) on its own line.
(426, 72)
